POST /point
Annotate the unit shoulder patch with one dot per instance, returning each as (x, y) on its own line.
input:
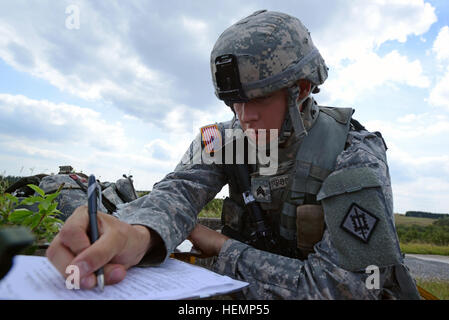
(359, 223)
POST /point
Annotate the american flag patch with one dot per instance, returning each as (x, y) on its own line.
(211, 138)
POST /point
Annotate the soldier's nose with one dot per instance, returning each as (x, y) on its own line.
(249, 112)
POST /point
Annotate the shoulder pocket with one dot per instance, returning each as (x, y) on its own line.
(356, 216)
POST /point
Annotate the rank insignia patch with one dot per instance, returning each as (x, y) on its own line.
(260, 188)
(211, 138)
(359, 222)
(260, 191)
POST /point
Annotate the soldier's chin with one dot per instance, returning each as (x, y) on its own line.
(256, 137)
(252, 135)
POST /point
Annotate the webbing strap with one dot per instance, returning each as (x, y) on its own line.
(315, 160)
(78, 182)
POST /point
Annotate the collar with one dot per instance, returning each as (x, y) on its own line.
(309, 113)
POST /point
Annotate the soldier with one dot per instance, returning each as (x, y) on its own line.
(312, 229)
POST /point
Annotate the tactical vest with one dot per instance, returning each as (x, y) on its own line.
(296, 183)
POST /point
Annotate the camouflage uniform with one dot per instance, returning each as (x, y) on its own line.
(356, 186)
(172, 206)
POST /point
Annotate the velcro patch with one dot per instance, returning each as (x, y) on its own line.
(279, 182)
(211, 138)
(359, 222)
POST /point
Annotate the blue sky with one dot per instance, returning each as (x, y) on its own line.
(127, 91)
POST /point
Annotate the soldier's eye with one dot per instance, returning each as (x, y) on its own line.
(263, 99)
(238, 106)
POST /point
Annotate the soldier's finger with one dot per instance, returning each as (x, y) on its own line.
(74, 234)
(114, 273)
(59, 256)
(74, 238)
(100, 252)
(79, 217)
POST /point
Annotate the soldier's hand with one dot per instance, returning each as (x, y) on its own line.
(208, 241)
(119, 247)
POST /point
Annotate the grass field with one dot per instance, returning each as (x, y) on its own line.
(424, 248)
(209, 214)
(213, 210)
(419, 247)
(439, 289)
(401, 219)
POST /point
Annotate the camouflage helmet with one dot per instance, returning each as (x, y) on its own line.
(263, 53)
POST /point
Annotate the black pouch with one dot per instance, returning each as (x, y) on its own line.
(232, 215)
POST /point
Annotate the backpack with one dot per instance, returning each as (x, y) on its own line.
(74, 191)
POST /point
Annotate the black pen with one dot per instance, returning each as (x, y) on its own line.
(93, 224)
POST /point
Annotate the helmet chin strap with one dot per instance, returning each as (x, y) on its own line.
(293, 121)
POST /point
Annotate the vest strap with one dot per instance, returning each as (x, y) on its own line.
(315, 160)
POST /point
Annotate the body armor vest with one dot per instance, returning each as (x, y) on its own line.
(302, 167)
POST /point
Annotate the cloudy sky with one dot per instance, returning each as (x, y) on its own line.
(124, 88)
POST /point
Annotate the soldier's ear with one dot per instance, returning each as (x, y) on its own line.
(304, 88)
(232, 108)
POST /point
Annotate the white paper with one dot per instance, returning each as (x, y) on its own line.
(185, 246)
(33, 277)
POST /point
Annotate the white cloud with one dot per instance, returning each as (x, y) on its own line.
(358, 27)
(146, 58)
(186, 120)
(439, 95)
(418, 163)
(45, 120)
(369, 72)
(33, 149)
(150, 59)
(199, 31)
(419, 182)
(160, 150)
(423, 194)
(350, 37)
(418, 158)
(411, 126)
(93, 62)
(42, 135)
(441, 44)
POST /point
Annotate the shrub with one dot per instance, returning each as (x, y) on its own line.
(212, 209)
(436, 233)
(44, 223)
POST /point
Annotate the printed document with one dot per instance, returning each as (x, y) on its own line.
(33, 277)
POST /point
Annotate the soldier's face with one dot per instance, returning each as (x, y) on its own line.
(262, 113)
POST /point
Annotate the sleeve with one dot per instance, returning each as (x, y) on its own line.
(170, 209)
(326, 274)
